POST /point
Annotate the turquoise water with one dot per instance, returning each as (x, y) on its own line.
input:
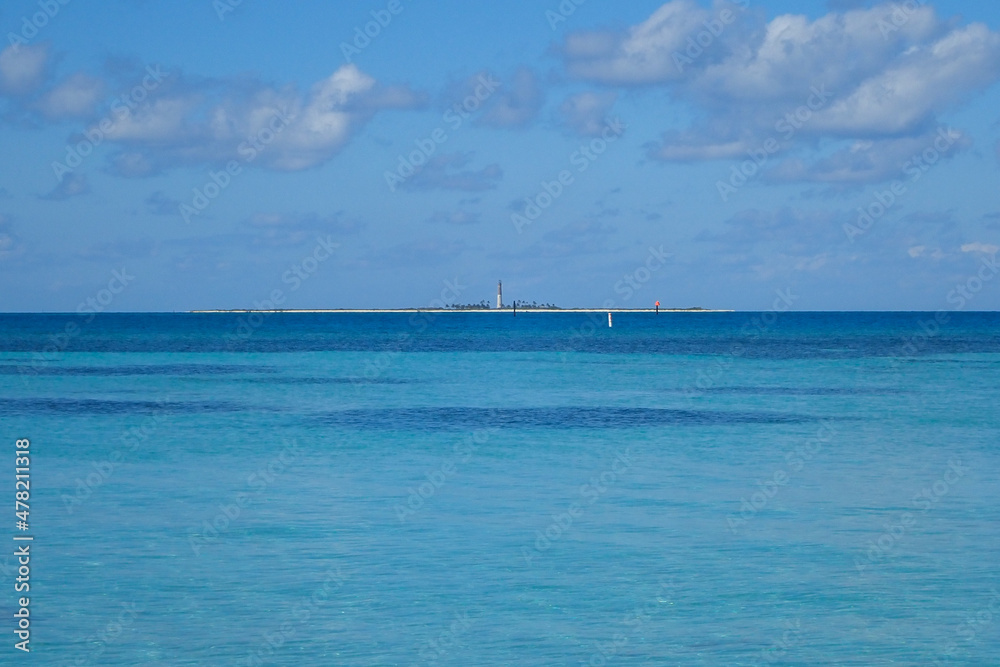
(479, 489)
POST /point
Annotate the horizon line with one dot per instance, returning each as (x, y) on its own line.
(469, 310)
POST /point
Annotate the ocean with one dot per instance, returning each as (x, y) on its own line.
(483, 489)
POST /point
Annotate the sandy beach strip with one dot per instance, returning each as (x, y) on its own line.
(504, 311)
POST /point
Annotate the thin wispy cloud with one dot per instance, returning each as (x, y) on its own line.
(72, 185)
(452, 171)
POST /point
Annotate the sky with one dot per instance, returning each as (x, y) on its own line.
(204, 154)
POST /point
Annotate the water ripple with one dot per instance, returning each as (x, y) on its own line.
(554, 417)
(89, 406)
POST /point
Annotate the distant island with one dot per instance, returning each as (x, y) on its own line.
(470, 308)
(483, 306)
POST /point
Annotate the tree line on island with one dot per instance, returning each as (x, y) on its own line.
(486, 305)
(523, 305)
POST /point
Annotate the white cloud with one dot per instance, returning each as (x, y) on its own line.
(22, 68)
(9, 244)
(986, 248)
(691, 146)
(280, 129)
(587, 113)
(837, 50)
(162, 120)
(132, 164)
(887, 86)
(921, 82)
(74, 97)
(321, 124)
(459, 217)
(641, 55)
(865, 161)
(517, 103)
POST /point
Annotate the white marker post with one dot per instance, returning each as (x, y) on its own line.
(609, 320)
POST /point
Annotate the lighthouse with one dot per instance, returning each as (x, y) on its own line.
(499, 294)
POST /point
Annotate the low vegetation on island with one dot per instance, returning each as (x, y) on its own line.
(520, 305)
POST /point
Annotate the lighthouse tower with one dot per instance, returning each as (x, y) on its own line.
(499, 294)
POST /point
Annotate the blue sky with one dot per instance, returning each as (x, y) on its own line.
(217, 152)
